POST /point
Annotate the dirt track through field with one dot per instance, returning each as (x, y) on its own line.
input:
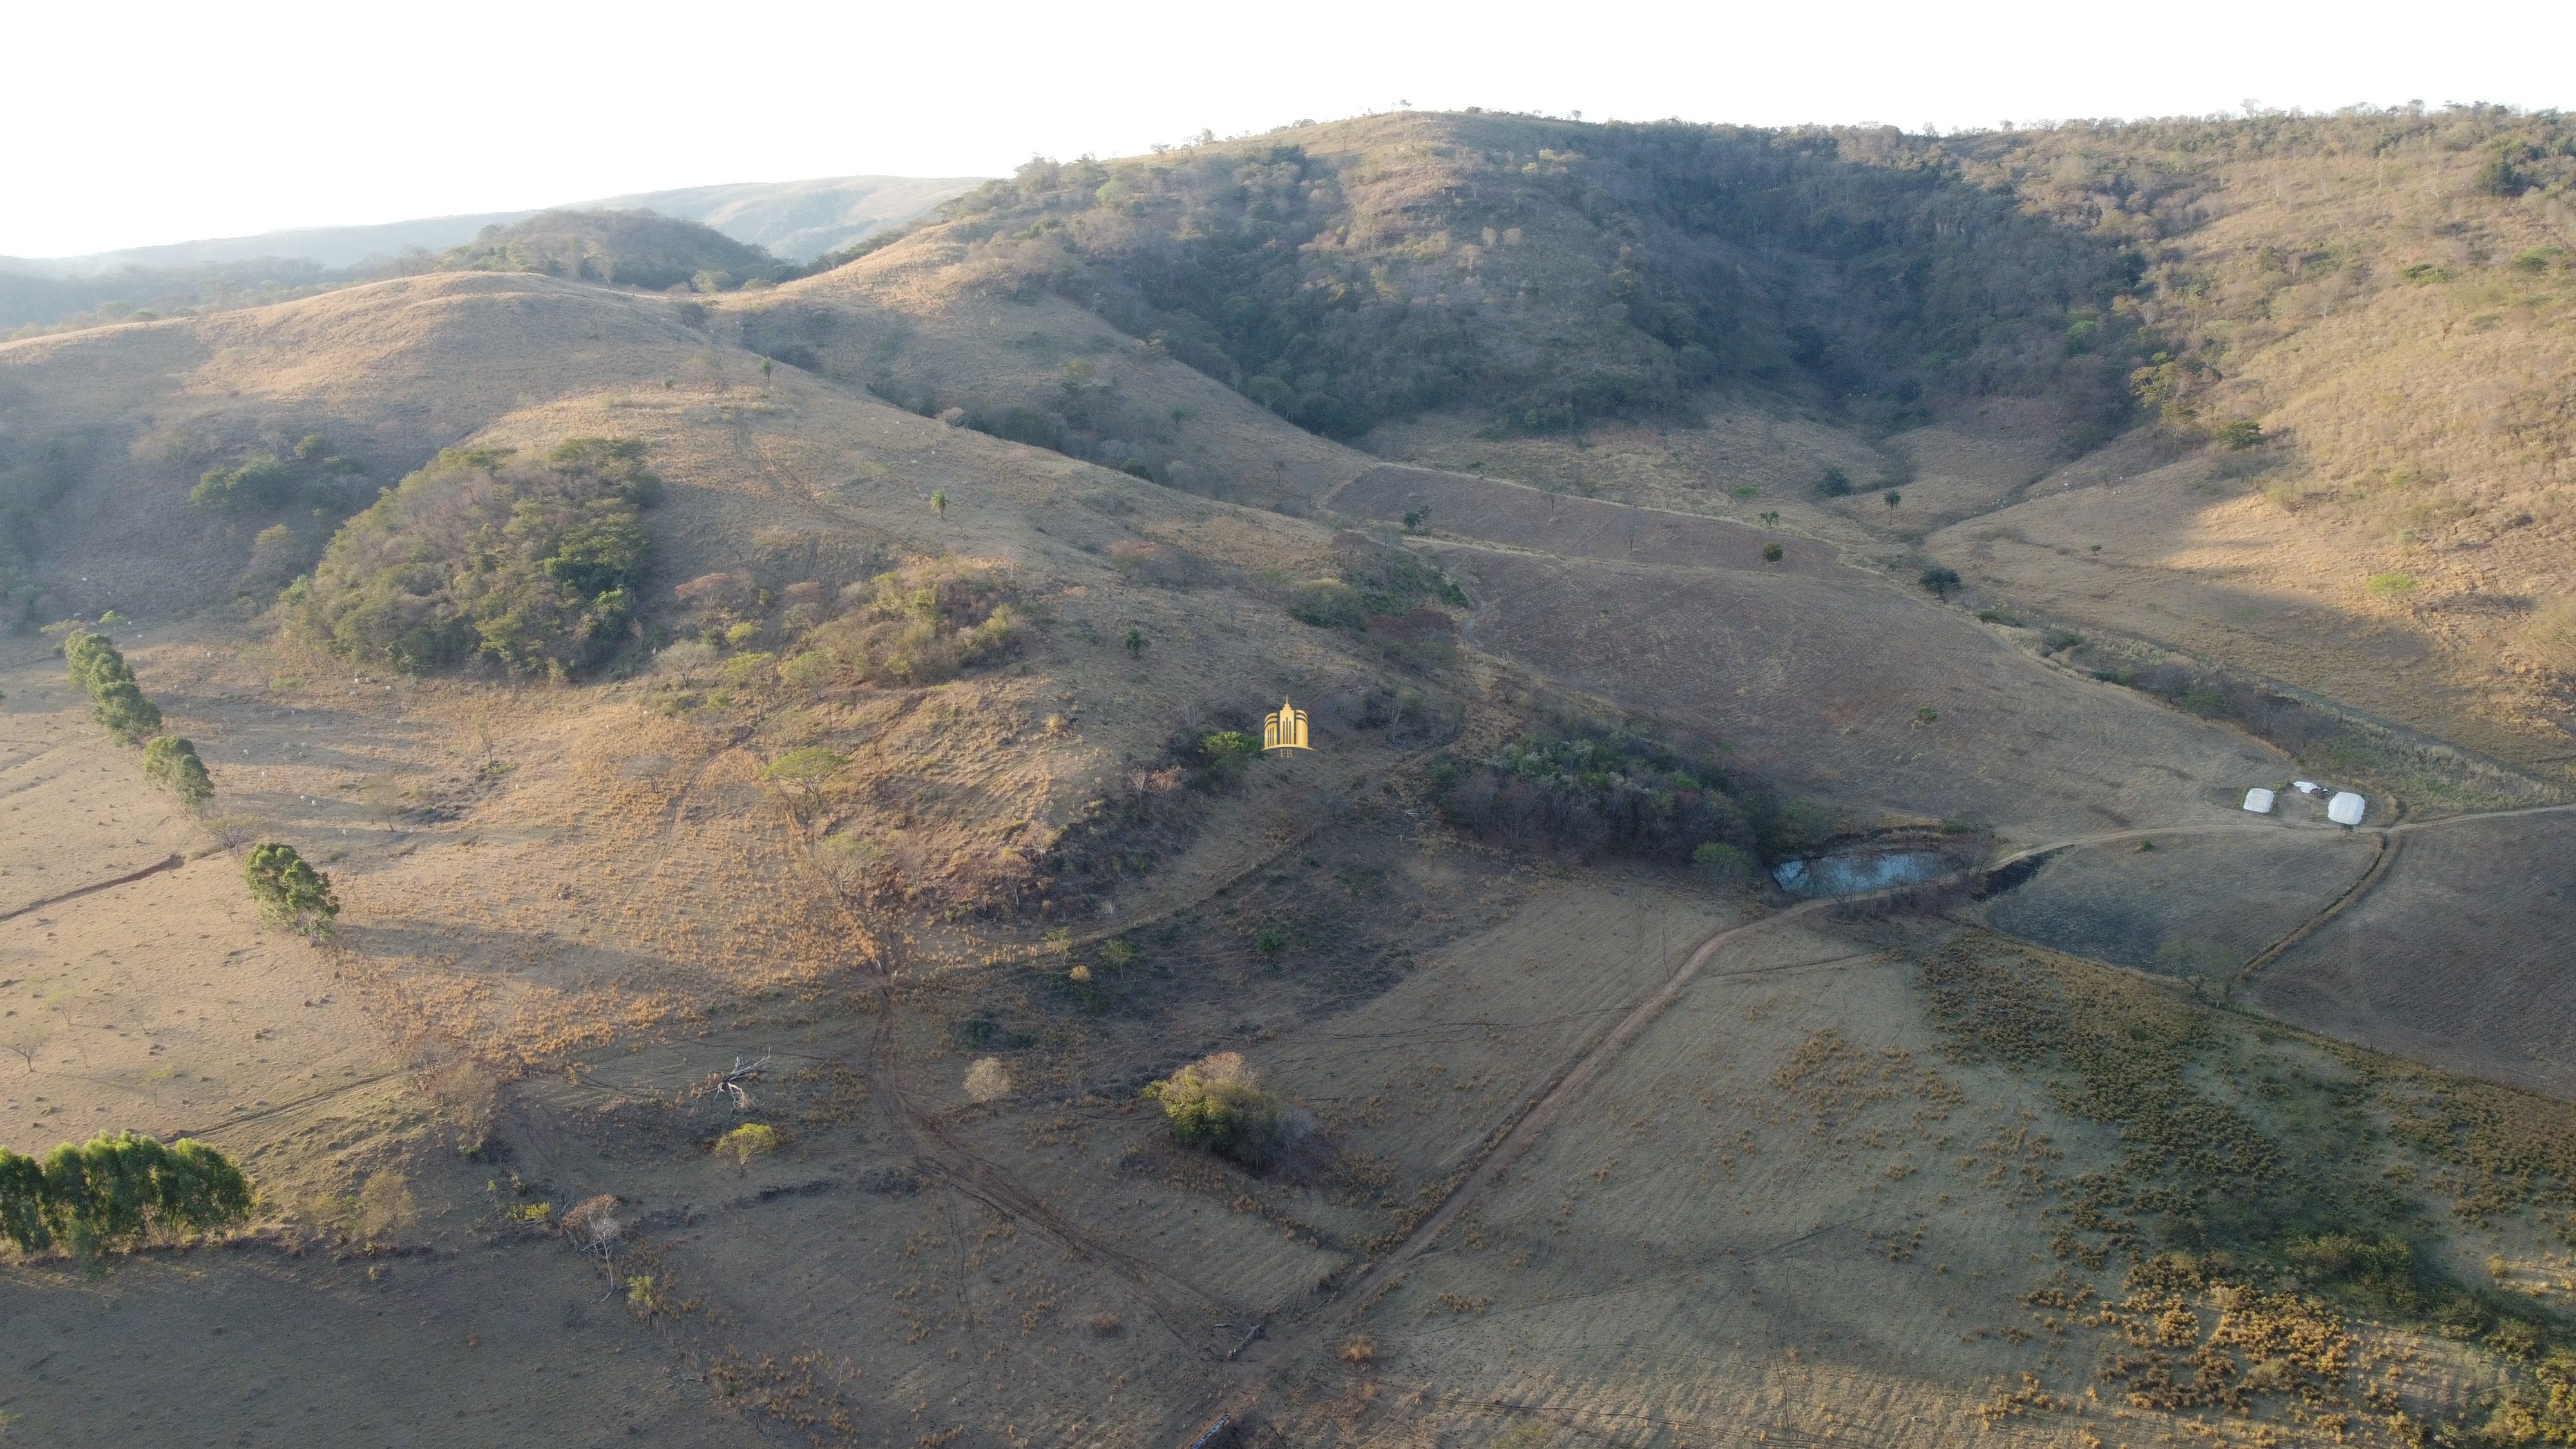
(1377, 1279)
(1262, 1369)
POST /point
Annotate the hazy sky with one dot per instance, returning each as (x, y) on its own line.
(142, 123)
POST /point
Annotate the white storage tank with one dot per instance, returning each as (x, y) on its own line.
(2346, 808)
(2259, 801)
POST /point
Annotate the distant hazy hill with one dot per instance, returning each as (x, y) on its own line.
(793, 219)
(799, 220)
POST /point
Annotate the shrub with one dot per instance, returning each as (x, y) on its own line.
(1327, 604)
(1216, 1104)
(1720, 861)
(289, 892)
(2387, 586)
(805, 766)
(926, 622)
(1224, 755)
(1835, 484)
(173, 762)
(115, 1190)
(988, 1080)
(1772, 553)
(750, 1140)
(117, 702)
(2241, 434)
(532, 565)
(1940, 580)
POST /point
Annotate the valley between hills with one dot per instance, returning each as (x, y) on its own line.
(816, 951)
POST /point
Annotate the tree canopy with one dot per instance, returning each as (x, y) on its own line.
(530, 564)
(115, 1190)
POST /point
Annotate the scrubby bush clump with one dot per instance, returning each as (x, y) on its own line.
(117, 702)
(112, 1193)
(1590, 791)
(1371, 583)
(1216, 1104)
(926, 622)
(748, 1141)
(530, 564)
(312, 474)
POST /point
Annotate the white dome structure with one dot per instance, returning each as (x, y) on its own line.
(2259, 801)
(2346, 808)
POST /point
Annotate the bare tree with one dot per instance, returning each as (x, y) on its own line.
(26, 1038)
(384, 800)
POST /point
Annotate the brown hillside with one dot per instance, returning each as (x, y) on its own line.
(820, 954)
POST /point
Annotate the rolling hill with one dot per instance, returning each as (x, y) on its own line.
(793, 220)
(820, 943)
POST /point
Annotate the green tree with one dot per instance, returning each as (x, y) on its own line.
(1135, 642)
(939, 502)
(1940, 580)
(1894, 498)
(173, 762)
(750, 1140)
(1217, 1104)
(1227, 752)
(2241, 434)
(117, 702)
(1772, 553)
(290, 893)
(114, 1190)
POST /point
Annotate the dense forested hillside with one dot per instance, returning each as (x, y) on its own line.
(1545, 272)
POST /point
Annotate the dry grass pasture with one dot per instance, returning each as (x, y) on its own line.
(2184, 554)
(1848, 690)
(2456, 956)
(2188, 905)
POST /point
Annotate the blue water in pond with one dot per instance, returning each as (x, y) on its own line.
(1842, 875)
